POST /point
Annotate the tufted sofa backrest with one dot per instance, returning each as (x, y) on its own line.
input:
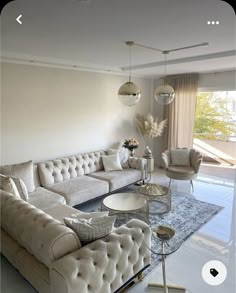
(55, 171)
(41, 235)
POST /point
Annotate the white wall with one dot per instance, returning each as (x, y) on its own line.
(218, 81)
(47, 112)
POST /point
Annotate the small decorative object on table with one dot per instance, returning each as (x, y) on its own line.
(165, 244)
(131, 144)
(147, 153)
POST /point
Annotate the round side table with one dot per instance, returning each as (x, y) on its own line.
(165, 242)
(158, 196)
(127, 206)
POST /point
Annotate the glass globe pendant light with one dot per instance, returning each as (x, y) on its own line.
(129, 93)
(165, 93)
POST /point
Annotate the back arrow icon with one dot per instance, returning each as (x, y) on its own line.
(18, 19)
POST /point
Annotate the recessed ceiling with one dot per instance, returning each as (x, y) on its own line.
(91, 34)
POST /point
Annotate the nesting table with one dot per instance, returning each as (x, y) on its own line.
(158, 197)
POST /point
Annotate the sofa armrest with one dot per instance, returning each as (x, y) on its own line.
(165, 159)
(105, 264)
(140, 164)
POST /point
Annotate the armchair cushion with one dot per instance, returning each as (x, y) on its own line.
(180, 157)
(181, 169)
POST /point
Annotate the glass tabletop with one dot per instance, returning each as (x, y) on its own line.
(124, 202)
(165, 247)
(152, 190)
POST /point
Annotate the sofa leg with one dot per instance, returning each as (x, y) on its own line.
(191, 181)
(137, 279)
(140, 276)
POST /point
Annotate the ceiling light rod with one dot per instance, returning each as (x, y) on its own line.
(129, 93)
(129, 44)
(205, 44)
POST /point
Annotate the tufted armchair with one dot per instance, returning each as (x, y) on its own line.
(181, 164)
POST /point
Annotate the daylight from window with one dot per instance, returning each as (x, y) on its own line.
(215, 117)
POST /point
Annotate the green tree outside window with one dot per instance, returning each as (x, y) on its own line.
(214, 116)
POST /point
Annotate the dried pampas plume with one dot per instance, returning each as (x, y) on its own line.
(149, 127)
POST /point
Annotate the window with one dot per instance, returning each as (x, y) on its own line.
(215, 116)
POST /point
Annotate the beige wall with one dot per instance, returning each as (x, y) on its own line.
(48, 113)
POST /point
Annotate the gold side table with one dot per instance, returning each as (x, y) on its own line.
(158, 196)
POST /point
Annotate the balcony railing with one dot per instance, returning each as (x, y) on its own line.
(223, 151)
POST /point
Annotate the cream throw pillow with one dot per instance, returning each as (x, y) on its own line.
(180, 157)
(21, 187)
(24, 171)
(8, 185)
(89, 230)
(123, 156)
(111, 163)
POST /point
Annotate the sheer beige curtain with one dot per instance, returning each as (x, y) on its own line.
(181, 112)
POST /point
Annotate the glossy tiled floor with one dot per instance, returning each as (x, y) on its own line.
(214, 241)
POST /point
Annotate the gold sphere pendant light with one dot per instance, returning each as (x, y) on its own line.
(129, 93)
(165, 93)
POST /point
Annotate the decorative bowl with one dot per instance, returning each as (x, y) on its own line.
(153, 189)
(164, 232)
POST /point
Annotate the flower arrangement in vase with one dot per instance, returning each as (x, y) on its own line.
(131, 144)
(150, 128)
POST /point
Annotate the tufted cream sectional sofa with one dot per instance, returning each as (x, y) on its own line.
(82, 177)
(49, 254)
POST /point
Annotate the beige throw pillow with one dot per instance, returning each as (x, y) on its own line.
(180, 157)
(21, 187)
(111, 163)
(123, 156)
(24, 171)
(8, 185)
(89, 230)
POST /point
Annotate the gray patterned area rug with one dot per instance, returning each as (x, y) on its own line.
(186, 216)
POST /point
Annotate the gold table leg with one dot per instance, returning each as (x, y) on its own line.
(165, 286)
(170, 287)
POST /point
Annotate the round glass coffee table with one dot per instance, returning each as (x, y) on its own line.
(127, 205)
(165, 241)
(158, 196)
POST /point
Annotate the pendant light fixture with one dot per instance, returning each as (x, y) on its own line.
(165, 93)
(129, 93)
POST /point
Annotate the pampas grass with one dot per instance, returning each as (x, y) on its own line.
(150, 127)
